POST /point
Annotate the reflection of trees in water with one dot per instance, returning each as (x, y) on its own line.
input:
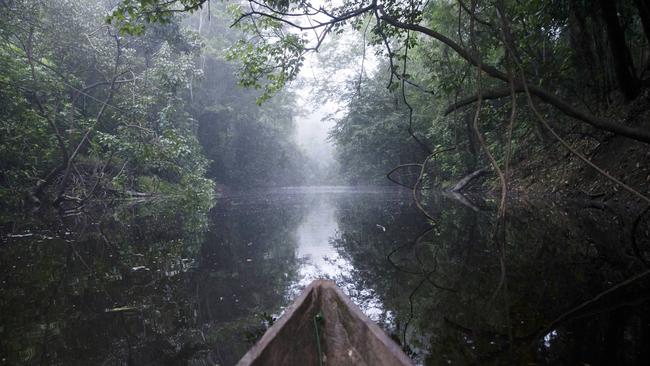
(556, 258)
(369, 229)
(247, 262)
(104, 286)
(158, 283)
(144, 284)
(150, 284)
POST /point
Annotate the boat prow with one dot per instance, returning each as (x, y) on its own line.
(323, 326)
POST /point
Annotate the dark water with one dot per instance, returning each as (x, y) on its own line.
(167, 283)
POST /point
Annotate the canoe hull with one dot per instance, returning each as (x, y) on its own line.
(345, 335)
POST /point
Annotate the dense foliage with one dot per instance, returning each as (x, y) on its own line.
(560, 47)
(248, 144)
(532, 68)
(88, 111)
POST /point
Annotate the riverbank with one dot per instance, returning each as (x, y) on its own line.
(550, 168)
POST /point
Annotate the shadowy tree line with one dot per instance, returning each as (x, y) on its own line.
(89, 111)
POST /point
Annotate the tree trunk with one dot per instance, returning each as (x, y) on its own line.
(644, 13)
(581, 41)
(623, 64)
(472, 144)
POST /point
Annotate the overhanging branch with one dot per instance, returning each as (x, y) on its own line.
(545, 96)
(488, 94)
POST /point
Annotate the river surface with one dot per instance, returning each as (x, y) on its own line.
(166, 283)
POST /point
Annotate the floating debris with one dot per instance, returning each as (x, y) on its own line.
(121, 309)
(20, 235)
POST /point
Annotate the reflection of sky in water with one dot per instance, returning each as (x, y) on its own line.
(320, 210)
(320, 259)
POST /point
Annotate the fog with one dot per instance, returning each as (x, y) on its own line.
(311, 133)
(339, 63)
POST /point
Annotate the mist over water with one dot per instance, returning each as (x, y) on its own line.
(311, 133)
(320, 101)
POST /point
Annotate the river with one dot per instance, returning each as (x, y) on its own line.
(166, 283)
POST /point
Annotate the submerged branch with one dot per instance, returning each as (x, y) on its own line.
(390, 178)
(460, 186)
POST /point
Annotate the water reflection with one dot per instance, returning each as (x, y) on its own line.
(460, 298)
(318, 235)
(320, 259)
(167, 284)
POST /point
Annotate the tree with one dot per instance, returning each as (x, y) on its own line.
(394, 22)
(248, 143)
(95, 111)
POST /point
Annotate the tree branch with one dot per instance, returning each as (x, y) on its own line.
(638, 134)
(488, 94)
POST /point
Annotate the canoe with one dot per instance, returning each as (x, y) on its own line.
(324, 327)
